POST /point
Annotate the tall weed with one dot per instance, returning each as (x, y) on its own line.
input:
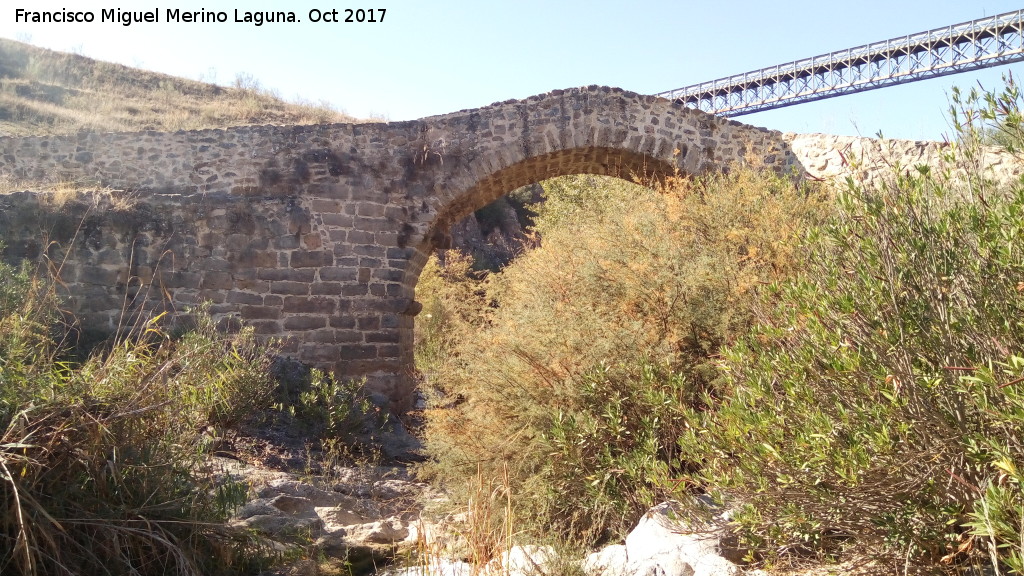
(100, 462)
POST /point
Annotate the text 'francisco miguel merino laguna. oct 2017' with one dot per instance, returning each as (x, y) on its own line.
(176, 15)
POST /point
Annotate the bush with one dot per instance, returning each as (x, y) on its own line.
(334, 412)
(579, 375)
(101, 463)
(879, 405)
(454, 304)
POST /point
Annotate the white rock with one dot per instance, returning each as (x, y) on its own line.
(388, 531)
(659, 565)
(339, 518)
(661, 532)
(715, 565)
(663, 544)
(259, 507)
(608, 561)
(528, 560)
(281, 525)
(286, 487)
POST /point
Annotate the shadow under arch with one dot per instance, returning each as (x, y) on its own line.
(599, 161)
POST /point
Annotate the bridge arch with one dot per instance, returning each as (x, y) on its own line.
(596, 131)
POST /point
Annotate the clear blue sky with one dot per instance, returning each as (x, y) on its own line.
(429, 58)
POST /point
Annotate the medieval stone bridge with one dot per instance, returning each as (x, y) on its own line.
(317, 234)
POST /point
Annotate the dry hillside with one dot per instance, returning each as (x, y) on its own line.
(48, 92)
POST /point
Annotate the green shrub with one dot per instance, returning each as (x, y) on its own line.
(328, 408)
(101, 464)
(454, 303)
(879, 406)
(573, 382)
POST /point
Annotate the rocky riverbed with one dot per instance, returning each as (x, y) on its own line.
(377, 518)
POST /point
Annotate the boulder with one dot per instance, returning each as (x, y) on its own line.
(526, 560)
(660, 565)
(715, 565)
(388, 531)
(608, 561)
(339, 517)
(663, 543)
(663, 532)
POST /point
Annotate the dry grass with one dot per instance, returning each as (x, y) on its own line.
(48, 92)
(55, 193)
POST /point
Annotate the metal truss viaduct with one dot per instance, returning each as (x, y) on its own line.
(973, 45)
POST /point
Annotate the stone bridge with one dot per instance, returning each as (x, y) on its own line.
(316, 235)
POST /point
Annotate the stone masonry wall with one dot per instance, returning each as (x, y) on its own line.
(317, 234)
(874, 162)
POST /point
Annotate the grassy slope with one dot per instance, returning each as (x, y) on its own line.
(47, 92)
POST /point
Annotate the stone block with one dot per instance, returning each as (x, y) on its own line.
(326, 206)
(258, 286)
(217, 281)
(304, 322)
(318, 352)
(383, 337)
(260, 312)
(359, 237)
(368, 323)
(338, 274)
(401, 254)
(371, 250)
(342, 322)
(287, 242)
(371, 209)
(338, 220)
(354, 290)
(307, 305)
(236, 297)
(305, 275)
(389, 274)
(311, 258)
(265, 327)
(325, 288)
(357, 352)
(389, 351)
(342, 336)
(109, 277)
(215, 296)
(252, 258)
(292, 288)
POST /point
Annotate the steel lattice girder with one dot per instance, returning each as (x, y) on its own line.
(973, 45)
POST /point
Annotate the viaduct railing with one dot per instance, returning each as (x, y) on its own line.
(972, 45)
